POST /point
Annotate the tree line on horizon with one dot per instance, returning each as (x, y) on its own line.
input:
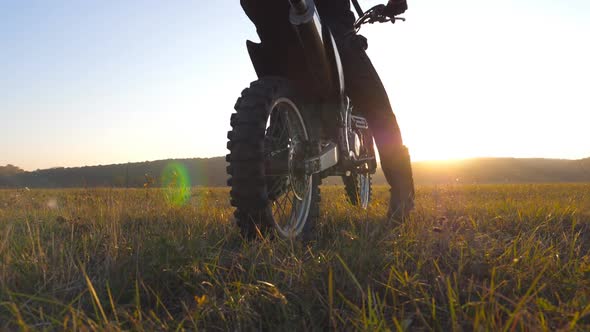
(211, 172)
(200, 171)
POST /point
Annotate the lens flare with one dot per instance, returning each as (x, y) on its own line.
(176, 184)
(52, 203)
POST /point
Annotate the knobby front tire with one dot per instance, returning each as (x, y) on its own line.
(272, 133)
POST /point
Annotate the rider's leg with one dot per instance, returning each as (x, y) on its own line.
(368, 95)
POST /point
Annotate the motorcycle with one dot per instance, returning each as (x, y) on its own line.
(295, 126)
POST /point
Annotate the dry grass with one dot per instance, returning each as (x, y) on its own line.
(512, 257)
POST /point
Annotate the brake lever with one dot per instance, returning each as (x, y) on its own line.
(378, 19)
(375, 15)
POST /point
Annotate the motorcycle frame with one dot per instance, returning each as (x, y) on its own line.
(322, 68)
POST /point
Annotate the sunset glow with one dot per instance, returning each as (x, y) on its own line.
(112, 82)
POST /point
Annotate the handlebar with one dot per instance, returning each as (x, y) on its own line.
(375, 14)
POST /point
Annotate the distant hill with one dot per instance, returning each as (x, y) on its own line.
(201, 171)
(211, 172)
(10, 170)
(499, 170)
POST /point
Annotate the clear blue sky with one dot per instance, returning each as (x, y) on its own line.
(100, 82)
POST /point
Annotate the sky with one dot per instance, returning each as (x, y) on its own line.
(101, 82)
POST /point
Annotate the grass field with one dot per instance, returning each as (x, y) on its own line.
(509, 257)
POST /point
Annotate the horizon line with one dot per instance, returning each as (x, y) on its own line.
(448, 160)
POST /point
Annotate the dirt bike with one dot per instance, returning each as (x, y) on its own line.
(295, 126)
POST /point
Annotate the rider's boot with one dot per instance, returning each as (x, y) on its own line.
(397, 169)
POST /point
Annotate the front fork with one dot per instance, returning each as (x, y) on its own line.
(323, 59)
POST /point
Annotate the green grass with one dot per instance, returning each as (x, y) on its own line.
(510, 257)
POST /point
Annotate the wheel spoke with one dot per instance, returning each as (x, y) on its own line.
(286, 134)
(288, 207)
(284, 126)
(284, 205)
(281, 212)
(276, 185)
(277, 141)
(281, 204)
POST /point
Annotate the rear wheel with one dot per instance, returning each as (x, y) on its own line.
(270, 139)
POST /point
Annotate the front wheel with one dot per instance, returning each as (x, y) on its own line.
(272, 135)
(358, 188)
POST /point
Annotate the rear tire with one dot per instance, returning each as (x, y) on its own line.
(271, 127)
